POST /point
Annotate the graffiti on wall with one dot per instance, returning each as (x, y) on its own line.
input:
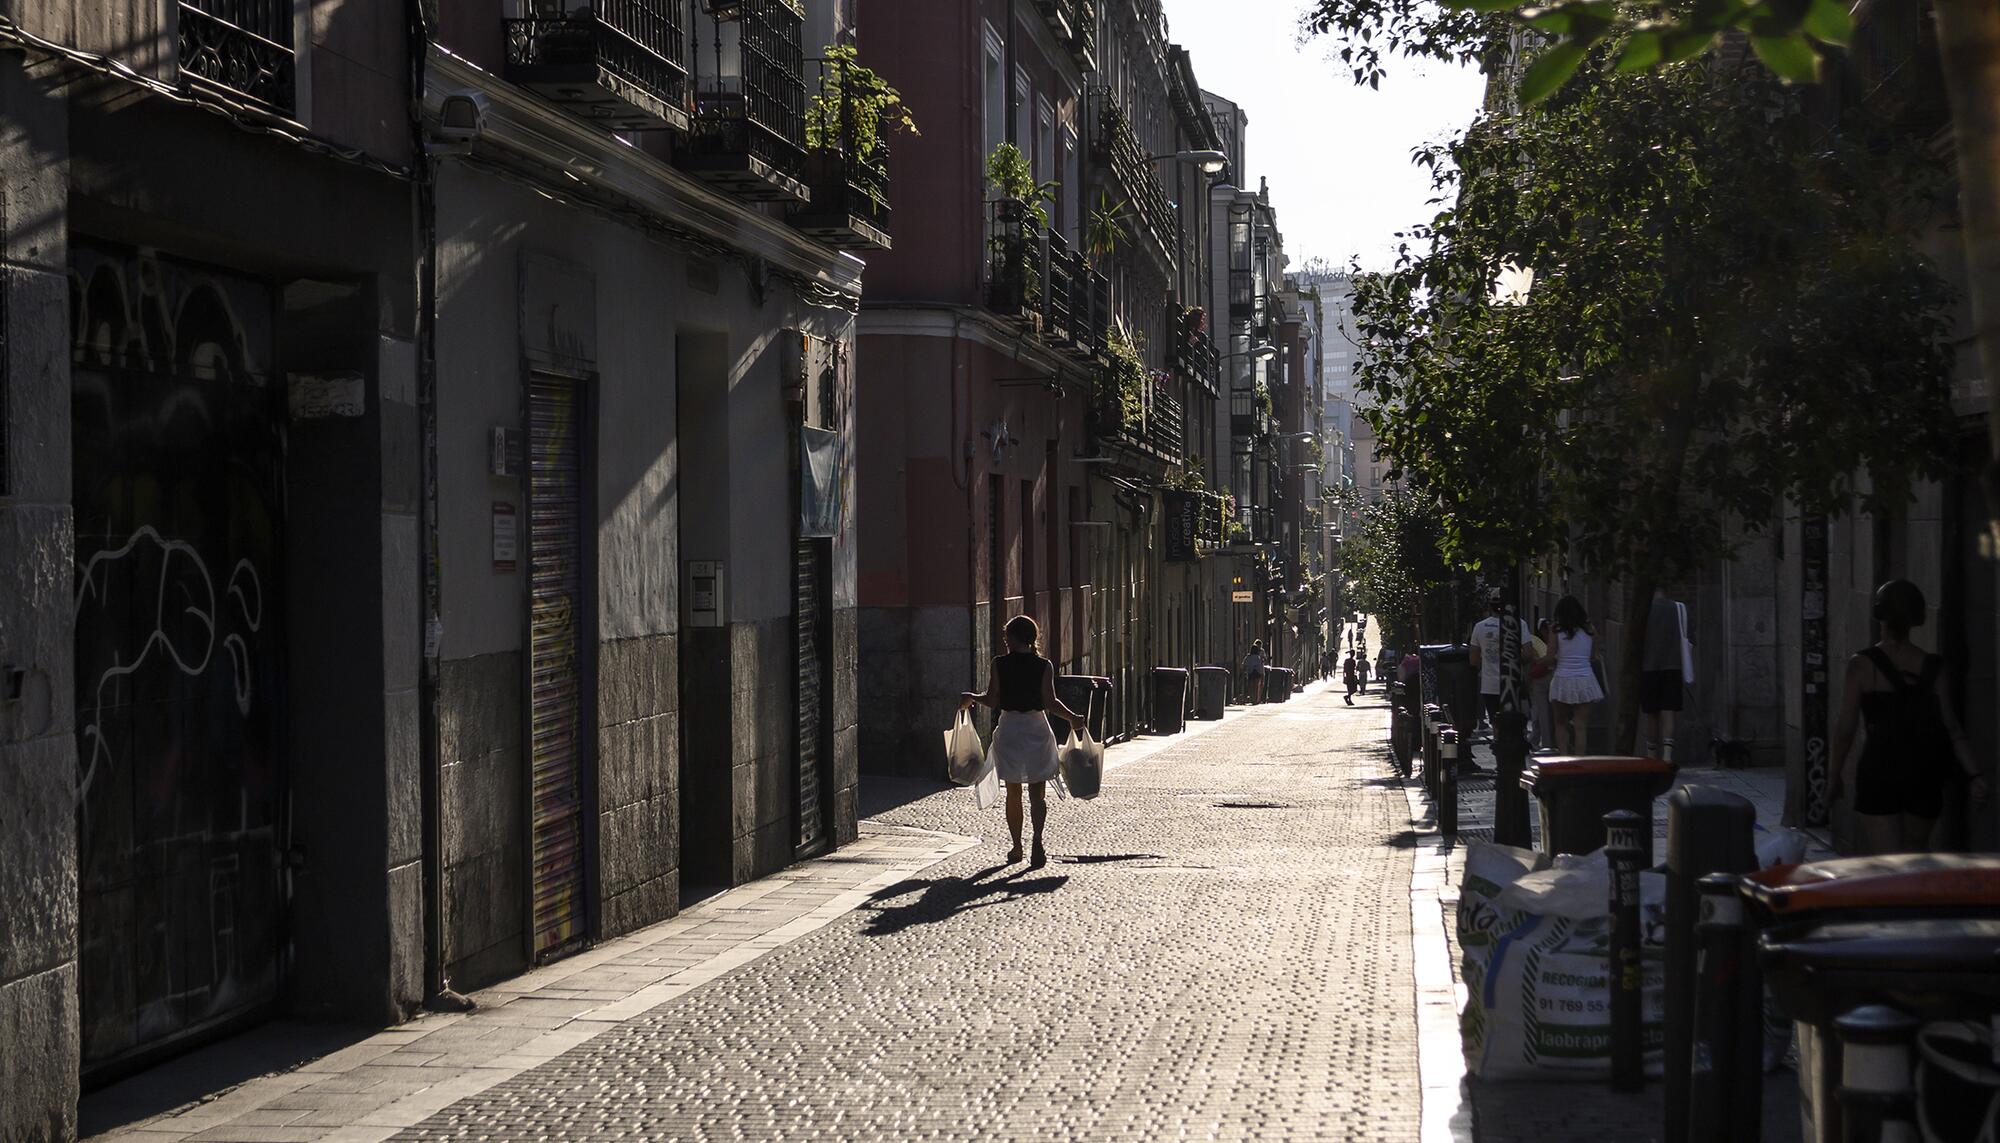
(177, 464)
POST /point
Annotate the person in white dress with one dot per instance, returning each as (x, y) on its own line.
(1573, 685)
(1022, 687)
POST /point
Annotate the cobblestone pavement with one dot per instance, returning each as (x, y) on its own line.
(1219, 948)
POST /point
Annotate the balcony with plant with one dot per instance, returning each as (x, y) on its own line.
(1121, 391)
(748, 136)
(848, 125)
(1017, 228)
(621, 64)
(1116, 146)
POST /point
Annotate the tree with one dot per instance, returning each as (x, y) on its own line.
(1725, 316)
(1392, 565)
(1791, 37)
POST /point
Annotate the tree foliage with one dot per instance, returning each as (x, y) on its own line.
(1391, 563)
(1725, 314)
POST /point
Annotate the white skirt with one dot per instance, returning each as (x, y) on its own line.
(1575, 690)
(1023, 747)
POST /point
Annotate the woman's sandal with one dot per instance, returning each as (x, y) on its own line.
(1038, 858)
(1013, 855)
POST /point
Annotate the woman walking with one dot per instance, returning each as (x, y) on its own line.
(1573, 686)
(1253, 671)
(1915, 748)
(1022, 687)
(1347, 676)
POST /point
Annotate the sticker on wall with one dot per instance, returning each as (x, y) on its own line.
(314, 398)
(506, 537)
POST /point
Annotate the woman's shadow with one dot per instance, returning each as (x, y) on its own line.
(941, 898)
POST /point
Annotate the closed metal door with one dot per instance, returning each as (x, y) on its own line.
(178, 469)
(555, 682)
(814, 749)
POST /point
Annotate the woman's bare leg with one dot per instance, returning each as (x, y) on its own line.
(1014, 818)
(1559, 725)
(1919, 834)
(1038, 797)
(1580, 729)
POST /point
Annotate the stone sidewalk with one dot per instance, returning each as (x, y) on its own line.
(1219, 948)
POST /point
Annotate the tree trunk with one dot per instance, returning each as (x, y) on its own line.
(1631, 659)
(1969, 47)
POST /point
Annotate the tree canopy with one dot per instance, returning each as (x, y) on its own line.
(1725, 314)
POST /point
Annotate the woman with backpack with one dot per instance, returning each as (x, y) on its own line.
(1914, 748)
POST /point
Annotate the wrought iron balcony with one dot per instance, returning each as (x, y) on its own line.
(1166, 423)
(1117, 146)
(242, 48)
(1075, 26)
(1014, 257)
(1194, 355)
(849, 206)
(622, 64)
(749, 130)
(1242, 413)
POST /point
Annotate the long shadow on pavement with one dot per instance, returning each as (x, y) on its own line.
(942, 898)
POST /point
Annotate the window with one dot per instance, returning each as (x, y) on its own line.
(1072, 188)
(1024, 121)
(1045, 141)
(994, 92)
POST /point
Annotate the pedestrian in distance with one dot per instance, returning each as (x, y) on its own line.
(1664, 670)
(1347, 676)
(1361, 668)
(1914, 749)
(1573, 685)
(1253, 671)
(1022, 687)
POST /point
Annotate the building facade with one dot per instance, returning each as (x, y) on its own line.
(426, 484)
(1037, 369)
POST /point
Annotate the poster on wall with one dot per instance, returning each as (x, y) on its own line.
(821, 464)
(506, 537)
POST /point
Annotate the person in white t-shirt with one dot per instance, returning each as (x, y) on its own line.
(1485, 653)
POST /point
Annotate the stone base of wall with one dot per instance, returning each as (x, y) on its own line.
(914, 663)
(479, 702)
(638, 778)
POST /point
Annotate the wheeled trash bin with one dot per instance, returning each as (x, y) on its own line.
(1574, 794)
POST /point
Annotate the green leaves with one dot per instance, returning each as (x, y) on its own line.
(1828, 22)
(1791, 57)
(1550, 71)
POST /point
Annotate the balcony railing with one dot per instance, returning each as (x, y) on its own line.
(1117, 146)
(243, 47)
(849, 206)
(749, 131)
(622, 64)
(1075, 27)
(1194, 356)
(1166, 423)
(1034, 274)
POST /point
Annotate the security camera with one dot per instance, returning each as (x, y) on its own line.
(462, 116)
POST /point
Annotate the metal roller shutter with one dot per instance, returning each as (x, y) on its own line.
(555, 566)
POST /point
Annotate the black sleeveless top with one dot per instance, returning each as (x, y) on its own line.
(1020, 675)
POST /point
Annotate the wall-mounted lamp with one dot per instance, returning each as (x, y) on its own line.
(1211, 162)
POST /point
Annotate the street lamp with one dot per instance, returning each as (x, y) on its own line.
(1262, 351)
(1211, 162)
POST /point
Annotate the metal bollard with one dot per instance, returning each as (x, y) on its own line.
(1447, 801)
(1510, 800)
(1623, 851)
(1433, 720)
(1878, 1101)
(1708, 831)
(1718, 965)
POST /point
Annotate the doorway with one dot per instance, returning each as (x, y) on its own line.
(701, 443)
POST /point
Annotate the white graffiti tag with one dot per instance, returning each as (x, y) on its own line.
(182, 622)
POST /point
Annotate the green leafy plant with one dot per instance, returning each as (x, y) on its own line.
(1013, 178)
(1106, 228)
(856, 110)
(1123, 382)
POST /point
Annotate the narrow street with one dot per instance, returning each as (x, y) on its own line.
(1219, 947)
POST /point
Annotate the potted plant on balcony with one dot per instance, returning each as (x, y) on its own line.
(1020, 214)
(1121, 395)
(848, 125)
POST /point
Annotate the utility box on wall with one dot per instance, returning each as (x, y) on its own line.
(704, 599)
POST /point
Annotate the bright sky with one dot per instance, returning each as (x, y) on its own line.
(1337, 155)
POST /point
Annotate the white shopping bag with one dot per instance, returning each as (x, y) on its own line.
(986, 791)
(1082, 765)
(964, 756)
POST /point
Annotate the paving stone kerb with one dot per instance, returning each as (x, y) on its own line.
(1219, 948)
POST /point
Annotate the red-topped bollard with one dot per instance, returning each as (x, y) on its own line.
(1574, 794)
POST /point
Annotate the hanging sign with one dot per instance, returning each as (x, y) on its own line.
(1183, 523)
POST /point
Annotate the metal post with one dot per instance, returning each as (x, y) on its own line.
(1708, 831)
(1447, 802)
(1623, 852)
(1878, 1101)
(1718, 963)
(1433, 718)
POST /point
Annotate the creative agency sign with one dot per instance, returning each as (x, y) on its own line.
(1183, 522)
